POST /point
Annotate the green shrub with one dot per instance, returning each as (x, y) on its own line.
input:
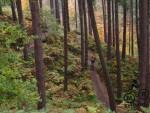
(12, 35)
(15, 92)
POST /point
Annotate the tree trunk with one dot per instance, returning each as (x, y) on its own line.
(14, 16)
(34, 7)
(143, 92)
(124, 30)
(1, 10)
(132, 30)
(80, 2)
(20, 12)
(57, 11)
(40, 3)
(113, 25)
(85, 34)
(109, 40)
(119, 84)
(101, 57)
(64, 2)
(40, 72)
(68, 21)
(35, 13)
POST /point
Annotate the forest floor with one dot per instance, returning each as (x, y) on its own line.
(84, 87)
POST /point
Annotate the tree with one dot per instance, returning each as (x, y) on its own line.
(81, 16)
(118, 71)
(132, 32)
(113, 25)
(1, 10)
(143, 38)
(35, 13)
(124, 30)
(39, 64)
(101, 57)
(41, 4)
(14, 16)
(20, 12)
(109, 40)
(85, 34)
(57, 11)
(64, 2)
(67, 12)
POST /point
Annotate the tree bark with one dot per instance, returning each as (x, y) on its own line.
(20, 12)
(68, 21)
(40, 73)
(14, 16)
(113, 25)
(39, 64)
(124, 30)
(109, 40)
(65, 45)
(143, 92)
(118, 71)
(85, 34)
(35, 13)
(80, 2)
(40, 3)
(57, 8)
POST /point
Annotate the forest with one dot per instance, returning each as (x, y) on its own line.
(74, 56)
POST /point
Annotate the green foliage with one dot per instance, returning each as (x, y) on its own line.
(12, 35)
(15, 92)
(109, 111)
(146, 110)
(5, 2)
(50, 25)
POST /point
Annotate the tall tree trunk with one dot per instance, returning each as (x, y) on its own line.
(147, 101)
(85, 34)
(109, 40)
(80, 2)
(67, 11)
(143, 14)
(35, 13)
(40, 3)
(14, 16)
(101, 57)
(57, 11)
(64, 2)
(34, 7)
(20, 12)
(119, 83)
(124, 30)
(132, 30)
(113, 25)
(1, 10)
(40, 72)
(129, 38)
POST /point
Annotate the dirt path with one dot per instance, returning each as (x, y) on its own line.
(99, 85)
